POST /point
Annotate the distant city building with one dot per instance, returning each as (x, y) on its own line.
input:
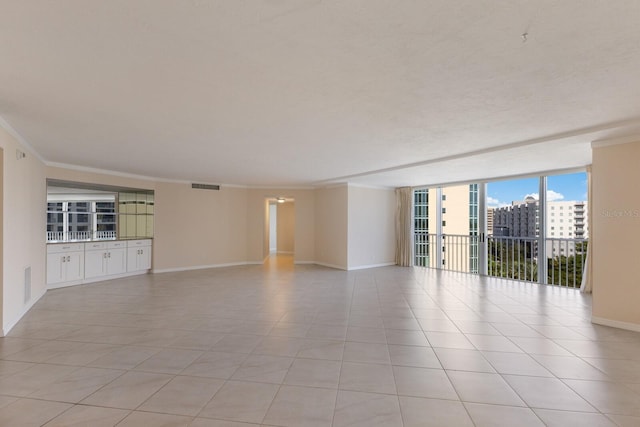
(490, 212)
(518, 220)
(567, 220)
(459, 220)
(500, 231)
(458, 211)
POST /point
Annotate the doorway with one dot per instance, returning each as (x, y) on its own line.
(280, 232)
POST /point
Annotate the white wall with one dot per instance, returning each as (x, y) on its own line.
(1, 235)
(266, 230)
(371, 227)
(273, 227)
(614, 235)
(197, 228)
(24, 227)
(331, 226)
(286, 222)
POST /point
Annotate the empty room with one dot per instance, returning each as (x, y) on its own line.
(319, 213)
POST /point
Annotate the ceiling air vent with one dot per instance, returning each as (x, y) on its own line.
(205, 186)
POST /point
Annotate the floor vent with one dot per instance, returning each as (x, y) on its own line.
(205, 186)
(27, 284)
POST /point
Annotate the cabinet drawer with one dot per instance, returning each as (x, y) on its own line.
(114, 245)
(65, 247)
(137, 243)
(94, 246)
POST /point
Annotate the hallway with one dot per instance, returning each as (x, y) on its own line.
(279, 263)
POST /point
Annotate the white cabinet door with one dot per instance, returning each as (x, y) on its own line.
(65, 267)
(55, 268)
(65, 263)
(139, 258)
(138, 255)
(94, 264)
(116, 261)
(144, 258)
(75, 266)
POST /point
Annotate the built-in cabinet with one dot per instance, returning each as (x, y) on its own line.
(77, 263)
(105, 258)
(138, 255)
(65, 263)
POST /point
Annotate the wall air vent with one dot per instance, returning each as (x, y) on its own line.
(205, 186)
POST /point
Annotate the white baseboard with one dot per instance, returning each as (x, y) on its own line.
(324, 264)
(7, 328)
(338, 267)
(615, 324)
(96, 279)
(65, 284)
(299, 262)
(202, 267)
(114, 276)
(363, 267)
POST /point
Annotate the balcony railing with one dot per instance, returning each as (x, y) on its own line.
(514, 258)
(457, 253)
(565, 261)
(460, 253)
(79, 236)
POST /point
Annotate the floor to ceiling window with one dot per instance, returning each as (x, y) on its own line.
(512, 240)
(567, 228)
(533, 229)
(446, 232)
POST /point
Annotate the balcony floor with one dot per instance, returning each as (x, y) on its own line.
(307, 346)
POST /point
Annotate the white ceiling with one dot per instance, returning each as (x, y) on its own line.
(308, 92)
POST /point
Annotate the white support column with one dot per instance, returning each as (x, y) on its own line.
(542, 231)
(94, 220)
(439, 239)
(65, 221)
(483, 254)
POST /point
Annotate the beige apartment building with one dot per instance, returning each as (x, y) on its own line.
(452, 213)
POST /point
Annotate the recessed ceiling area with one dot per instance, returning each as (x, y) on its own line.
(310, 92)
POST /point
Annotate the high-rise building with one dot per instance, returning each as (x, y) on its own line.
(490, 213)
(518, 220)
(566, 223)
(457, 211)
(567, 220)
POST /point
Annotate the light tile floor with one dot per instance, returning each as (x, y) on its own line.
(312, 346)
